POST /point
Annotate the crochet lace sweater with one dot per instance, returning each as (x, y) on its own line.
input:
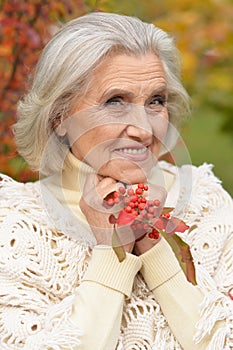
(58, 290)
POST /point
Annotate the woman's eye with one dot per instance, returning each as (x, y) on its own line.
(114, 101)
(158, 101)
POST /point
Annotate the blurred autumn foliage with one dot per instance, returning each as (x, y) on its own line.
(26, 26)
(203, 31)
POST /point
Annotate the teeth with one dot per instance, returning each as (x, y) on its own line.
(132, 150)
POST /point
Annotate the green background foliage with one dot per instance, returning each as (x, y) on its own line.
(203, 31)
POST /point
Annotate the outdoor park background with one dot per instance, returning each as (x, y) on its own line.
(203, 31)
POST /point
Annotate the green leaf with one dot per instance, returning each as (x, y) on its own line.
(118, 249)
(167, 210)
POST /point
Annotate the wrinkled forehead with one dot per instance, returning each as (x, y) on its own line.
(125, 75)
(122, 68)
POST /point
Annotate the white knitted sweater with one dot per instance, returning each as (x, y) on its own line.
(40, 246)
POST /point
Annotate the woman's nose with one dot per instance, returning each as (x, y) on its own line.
(142, 133)
(139, 127)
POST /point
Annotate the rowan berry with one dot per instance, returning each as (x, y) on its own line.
(130, 192)
(138, 191)
(157, 202)
(122, 190)
(110, 201)
(145, 187)
(128, 209)
(151, 210)
(134, 198)
(141, 185)
(150, 235)
(141, 206)
(149, 216)
(143, 213)
(126, 200)
(154, 234)
(150, 203)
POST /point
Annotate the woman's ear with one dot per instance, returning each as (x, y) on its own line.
(61, 129)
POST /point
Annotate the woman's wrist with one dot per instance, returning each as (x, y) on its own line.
(146, 243)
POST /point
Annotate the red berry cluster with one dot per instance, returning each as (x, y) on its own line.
(139, 208)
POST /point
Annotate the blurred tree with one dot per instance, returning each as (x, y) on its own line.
(202, 30)
(204, 33)
(25, 27)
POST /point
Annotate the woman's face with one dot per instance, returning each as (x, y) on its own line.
(119, 124)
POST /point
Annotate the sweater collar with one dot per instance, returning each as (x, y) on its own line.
(74, 173)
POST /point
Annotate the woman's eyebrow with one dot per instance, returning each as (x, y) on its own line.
(116, 92)
(159, 90)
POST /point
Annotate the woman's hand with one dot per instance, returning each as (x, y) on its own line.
(95, 190)
(146, 243)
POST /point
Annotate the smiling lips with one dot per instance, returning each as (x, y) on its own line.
(133, 153)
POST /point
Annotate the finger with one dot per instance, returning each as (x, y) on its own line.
(106, 186)
(95, 190)
(90, 194)
(98, 185)
(106, 189)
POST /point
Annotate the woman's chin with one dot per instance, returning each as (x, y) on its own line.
(130, 175)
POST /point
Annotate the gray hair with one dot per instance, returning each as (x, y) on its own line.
(63, 70)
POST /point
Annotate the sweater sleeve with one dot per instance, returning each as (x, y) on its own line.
(179, 299)
(98, 303)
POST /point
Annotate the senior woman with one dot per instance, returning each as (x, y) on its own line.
(103, 107)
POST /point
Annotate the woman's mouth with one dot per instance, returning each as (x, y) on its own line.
(133, 153)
